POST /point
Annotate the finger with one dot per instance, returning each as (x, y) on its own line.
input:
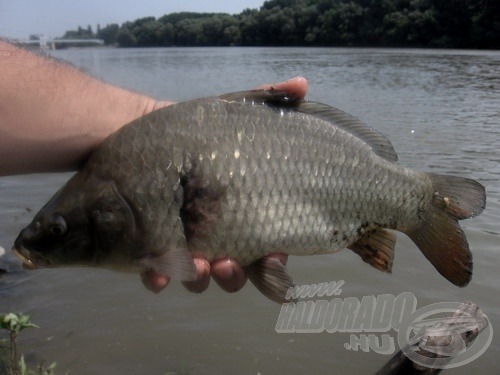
(228, 274)
(153, 281)
(296, 87)
(203, 272)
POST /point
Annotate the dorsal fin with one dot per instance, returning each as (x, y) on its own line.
(260, 97)
(377, 141)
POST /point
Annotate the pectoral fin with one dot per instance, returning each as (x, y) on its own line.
(376, 248)
(176, 263)
(270, 276)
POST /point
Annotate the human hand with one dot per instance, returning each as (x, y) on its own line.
(295, 88)
(227, 272)
(69, 116)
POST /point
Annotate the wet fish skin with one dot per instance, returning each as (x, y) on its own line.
(244, 175)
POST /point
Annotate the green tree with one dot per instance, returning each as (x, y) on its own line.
(231, 36)
(188, 32)
(306, 19)
(125, 38)
(485, 32)
(341, 24)
(167, 34)
(148, 34)
(413, 23)
(440, 23)
(109, 33)
(251, 34)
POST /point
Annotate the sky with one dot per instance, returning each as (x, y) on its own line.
(20, 18)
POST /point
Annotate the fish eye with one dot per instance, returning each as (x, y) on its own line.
(58, 226)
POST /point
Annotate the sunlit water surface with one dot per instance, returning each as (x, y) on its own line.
(441, 110)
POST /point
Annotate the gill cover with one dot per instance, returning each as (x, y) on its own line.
(111, 217)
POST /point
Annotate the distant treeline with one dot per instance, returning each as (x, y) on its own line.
(407, 23)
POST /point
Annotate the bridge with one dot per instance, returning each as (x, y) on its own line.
(48, 43)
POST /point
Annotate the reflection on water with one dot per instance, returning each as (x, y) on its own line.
(439, 108)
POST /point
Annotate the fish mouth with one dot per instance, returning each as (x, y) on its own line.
(30, 259)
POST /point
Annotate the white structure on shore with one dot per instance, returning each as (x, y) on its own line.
(48, 43)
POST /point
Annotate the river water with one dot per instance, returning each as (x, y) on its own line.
(441, 110)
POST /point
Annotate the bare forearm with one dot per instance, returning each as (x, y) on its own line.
(52, 115)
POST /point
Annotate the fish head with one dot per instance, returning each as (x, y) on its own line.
(83, 224)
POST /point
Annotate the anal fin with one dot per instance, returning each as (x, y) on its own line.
(270, 276)
(376, 248)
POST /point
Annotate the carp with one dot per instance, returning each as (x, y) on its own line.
(243, 175)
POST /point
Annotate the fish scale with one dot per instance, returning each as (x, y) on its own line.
(302, 194)
(245, 175)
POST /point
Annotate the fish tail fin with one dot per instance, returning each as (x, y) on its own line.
(461, 198)
(439, 236)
